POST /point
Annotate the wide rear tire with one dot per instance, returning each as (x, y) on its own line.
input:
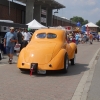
(66, 63)
(73, 60)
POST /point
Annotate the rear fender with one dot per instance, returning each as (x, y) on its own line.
(58, 60)
(73, 50)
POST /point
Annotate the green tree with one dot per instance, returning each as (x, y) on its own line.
(98, 23)
(79, 19)
(85, 22)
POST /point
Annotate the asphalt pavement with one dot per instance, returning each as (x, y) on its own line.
(94, 91)
(82, 90)
(74, 85)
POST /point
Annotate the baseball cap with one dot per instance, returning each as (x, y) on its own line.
(11, 28)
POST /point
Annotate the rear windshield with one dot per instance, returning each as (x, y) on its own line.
(41, 35)
(51, 35)
(48, 35)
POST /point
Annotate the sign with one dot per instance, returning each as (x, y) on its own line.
(78, 24)
(44, 16)
(68, 28)
(43, 20)
(43, 12)
(99, 33)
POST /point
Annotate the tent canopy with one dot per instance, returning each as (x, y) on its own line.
(91, 25)
(35, 25)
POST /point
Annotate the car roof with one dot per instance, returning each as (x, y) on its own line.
(59, 32)
(52, 30)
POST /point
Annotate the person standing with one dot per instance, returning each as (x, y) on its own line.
(84, 38)
(20, 37)
(77, 38)
(9, 42)
(91, 38)
(27, 35)
(26, 38)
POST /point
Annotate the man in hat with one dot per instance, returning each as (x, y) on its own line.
(9, 42)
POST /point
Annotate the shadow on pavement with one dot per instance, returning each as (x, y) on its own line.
(72, 70)
(77, 69)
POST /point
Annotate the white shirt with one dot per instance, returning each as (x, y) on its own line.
(27, 36)
(23, 33)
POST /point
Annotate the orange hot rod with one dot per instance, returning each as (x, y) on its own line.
(47, 50)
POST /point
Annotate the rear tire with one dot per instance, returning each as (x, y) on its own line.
(0, 56)
(66, 63)
(73, 60)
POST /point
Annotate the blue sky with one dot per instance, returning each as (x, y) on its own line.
(87, 9)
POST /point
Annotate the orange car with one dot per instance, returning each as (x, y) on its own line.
(47, 50)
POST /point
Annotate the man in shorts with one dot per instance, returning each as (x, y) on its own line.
(9, 42)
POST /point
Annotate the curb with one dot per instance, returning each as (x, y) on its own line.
(83, 87)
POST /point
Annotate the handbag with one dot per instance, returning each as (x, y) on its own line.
(17, 47)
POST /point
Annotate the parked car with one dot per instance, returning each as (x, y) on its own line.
(47, 50)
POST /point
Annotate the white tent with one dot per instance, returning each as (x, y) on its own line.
(35, 25)
(91, 25)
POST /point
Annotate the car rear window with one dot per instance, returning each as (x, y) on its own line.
(41, 35)
(48, 35)
(51, 35)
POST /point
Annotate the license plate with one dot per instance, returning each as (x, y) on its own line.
(41, 72)
(33, 67)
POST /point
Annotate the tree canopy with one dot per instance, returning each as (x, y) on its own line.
(79, 19)
(98, 23)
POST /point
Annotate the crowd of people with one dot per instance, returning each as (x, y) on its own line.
(81, 37)
(13, 37)
(21, 37)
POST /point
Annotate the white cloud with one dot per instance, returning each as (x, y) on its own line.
(91, 2)
(87, 9)
(78, 2)
(84, 2)
(95, 11)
